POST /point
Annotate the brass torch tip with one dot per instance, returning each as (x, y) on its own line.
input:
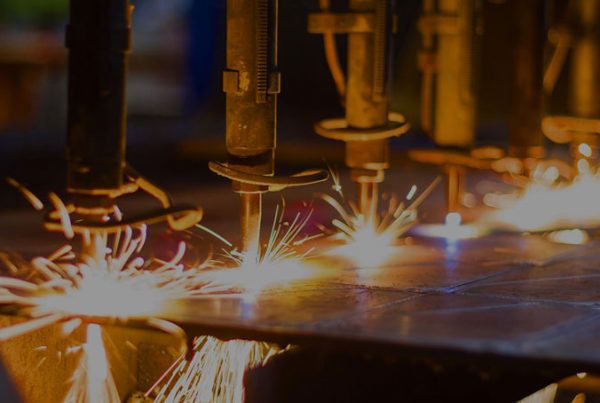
(454, 187)
(368, 198)
(250, 218)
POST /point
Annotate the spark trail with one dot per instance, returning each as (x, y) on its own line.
(368, 239)
(215, 373)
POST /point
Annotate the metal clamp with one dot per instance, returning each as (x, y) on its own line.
(178, 217)
(488, 158)
(272, 183)
(562, 129)
(456, 158)
(338, 129)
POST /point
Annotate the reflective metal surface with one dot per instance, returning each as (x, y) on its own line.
(505, 296)
(514, 296)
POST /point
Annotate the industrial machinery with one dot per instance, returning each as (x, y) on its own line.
(448, 97)
(490, 316)
(448, 63)
(99, 40)
(449, 31)
(576, 53)
(252, 82)
(525, 139)
(364, 90)
(448, 113)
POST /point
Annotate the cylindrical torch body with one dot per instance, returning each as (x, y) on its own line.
(367, 97)
(99, 40)
(584, 80)
(454, 105)
(528, 38)
(366, 105)
(251, 83)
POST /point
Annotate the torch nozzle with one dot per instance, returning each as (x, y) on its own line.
(250, 219)
(368, 199)
(454, 188)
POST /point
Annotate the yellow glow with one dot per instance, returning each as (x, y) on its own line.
(569, 237)
(277, 263)
(368, 240)
(365, 241)
(104, 295)
(546, 206)
(366, 250)
(106, 282)
(452, 229)
(253, 278)
(112, 281)
(111, 284)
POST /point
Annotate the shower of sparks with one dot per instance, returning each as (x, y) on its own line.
(110, 282)
(92, 381)
(104, 282)
(110, 279)
(107, 282)
(215, 373)
(278, 264)
(65, 284)
(547, 204)
(368, 239)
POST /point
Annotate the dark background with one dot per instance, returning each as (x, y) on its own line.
(175, 101)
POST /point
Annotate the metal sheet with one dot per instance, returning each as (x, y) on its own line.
(506, 296)
(509, 296)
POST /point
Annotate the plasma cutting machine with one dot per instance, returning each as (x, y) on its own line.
(251, 82)
(449, 32)
(99, 41)
(576, 39)
(447, 62)
(448, 100)
(364, 90)
(525, 138)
